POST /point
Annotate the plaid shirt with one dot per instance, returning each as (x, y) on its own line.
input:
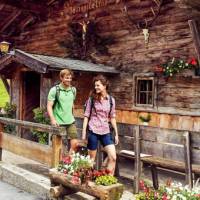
(99, 119)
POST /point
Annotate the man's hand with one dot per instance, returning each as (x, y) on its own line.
(54, 123)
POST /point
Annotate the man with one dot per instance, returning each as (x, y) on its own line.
(60, 106)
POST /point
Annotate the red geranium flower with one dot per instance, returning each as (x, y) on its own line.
(193, 61)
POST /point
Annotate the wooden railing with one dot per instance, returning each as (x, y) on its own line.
(46, 154)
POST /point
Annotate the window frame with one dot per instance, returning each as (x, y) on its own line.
(137, 79)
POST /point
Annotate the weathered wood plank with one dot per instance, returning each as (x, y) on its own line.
(137, 160)
(188, 163)
(56, 150)
(168, 164)
(163, 150)
(196, 38)
(35, 126)
(26, 148)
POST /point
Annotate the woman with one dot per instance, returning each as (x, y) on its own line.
(100, 109)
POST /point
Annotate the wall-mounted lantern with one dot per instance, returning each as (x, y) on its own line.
(4, 47)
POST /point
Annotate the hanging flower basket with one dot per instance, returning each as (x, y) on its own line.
(175, 66)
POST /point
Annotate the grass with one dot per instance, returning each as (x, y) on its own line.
(4, 97)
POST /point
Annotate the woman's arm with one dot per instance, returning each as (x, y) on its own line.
(85, 123)
(114, 125)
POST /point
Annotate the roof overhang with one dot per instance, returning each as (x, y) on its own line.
(44, 64)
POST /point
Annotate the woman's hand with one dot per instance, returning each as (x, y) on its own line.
(116, 139)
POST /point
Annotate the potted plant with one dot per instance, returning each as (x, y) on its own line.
(145, 119)
(177, 65)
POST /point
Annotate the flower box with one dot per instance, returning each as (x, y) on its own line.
(64, 185)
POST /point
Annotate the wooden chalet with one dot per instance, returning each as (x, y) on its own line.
(126, 40)
(37, 30)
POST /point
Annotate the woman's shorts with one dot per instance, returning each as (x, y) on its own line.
(71, 131)
(93, 139)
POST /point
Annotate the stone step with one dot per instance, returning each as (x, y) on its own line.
(25, 180)
(38, 184)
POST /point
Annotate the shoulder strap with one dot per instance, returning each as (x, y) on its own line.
(57, 95)
(111, 104)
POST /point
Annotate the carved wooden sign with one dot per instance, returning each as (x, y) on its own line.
(75, 7)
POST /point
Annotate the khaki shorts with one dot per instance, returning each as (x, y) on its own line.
(71, 131)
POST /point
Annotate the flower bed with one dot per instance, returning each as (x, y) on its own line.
(171, 191)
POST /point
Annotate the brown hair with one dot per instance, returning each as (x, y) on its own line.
(65, 72)
(104, 82)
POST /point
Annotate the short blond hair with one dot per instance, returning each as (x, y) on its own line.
(65, 72)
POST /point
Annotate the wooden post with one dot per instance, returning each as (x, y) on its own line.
(1, 132)
(137, 159)
(154, 177)
(195, 36)
(57, 146)
(187, 154)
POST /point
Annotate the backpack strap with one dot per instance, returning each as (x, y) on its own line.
(57, 95)
(111, 104)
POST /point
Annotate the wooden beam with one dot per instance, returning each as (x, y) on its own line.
(26, 148)
(188, 164)
(57, 147)
(196, 37)
(36, 126)
(35, 8)
(137, 159)
(9, 20)
(31, 61)
(1, 6)
(25, 22)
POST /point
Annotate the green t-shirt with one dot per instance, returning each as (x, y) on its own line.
(62, 110)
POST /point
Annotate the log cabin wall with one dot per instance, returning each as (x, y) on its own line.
(170, 36)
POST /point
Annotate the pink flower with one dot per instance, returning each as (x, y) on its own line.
(164, 197)
(75, 180)
(142, 185)
(156, 195)
(67, 160)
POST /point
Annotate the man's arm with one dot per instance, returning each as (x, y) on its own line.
(50, 113)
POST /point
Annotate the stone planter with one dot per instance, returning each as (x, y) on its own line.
(62, 185)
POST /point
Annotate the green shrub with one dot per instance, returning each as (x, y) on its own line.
(41, 116)
(9, 111)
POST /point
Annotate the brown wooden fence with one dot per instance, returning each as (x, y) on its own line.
(46, 154)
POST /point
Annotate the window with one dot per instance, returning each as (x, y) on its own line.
(144, 91)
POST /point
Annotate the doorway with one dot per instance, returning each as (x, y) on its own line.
(30, 94)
